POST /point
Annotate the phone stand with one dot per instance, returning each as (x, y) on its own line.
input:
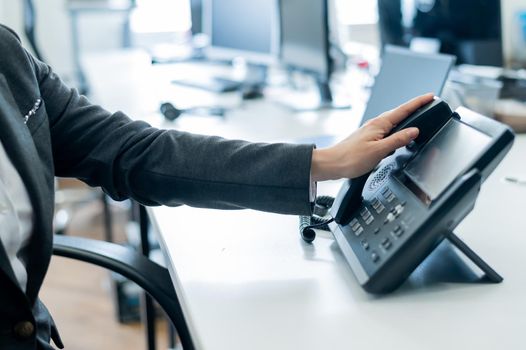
(491, 275)
(450, 262)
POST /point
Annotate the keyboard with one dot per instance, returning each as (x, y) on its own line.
(214, 84)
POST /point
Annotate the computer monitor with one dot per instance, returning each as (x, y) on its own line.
(304, 40)
(196, 14)
(240, 28)
(469, 29)
(405, 74)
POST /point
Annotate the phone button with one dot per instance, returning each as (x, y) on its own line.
(388, 195)
(386, 244)
(397, 231)
(355, 224)
(377, 206)
(359, 231)
(365, 244)
(390, 217)
(366, 215)
(375, 257)
(398, 209)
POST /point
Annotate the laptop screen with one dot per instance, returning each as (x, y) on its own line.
(405, 74)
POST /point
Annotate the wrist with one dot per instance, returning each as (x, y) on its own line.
(324, 167)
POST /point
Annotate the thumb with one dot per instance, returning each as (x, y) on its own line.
(399, 139)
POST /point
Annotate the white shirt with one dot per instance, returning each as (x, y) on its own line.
(16, 217)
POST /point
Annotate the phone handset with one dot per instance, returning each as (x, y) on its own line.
(428, 119)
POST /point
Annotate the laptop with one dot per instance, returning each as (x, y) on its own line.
(405, 74)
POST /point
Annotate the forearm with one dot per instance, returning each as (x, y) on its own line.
(213, 172)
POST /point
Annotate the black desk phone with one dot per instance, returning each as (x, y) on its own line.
(388, 221)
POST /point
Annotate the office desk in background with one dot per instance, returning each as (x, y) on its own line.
(247, 281)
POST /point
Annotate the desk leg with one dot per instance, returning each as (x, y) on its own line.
(172, 335)
(108, 219)
(148, 311)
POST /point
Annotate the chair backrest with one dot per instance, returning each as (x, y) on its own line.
(153, 278)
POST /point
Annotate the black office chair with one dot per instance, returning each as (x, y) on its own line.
(153, 278)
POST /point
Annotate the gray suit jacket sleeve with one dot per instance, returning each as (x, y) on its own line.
(132, 159)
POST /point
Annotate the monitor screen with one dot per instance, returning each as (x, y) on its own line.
(196, 12)
(468, 29)
(304, 35)
(445, 157)
(240, 27)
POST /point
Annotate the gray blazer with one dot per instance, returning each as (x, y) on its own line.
(65, 135)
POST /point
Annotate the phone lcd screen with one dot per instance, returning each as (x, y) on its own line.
(445, 157)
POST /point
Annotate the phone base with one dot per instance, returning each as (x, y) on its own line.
(491, 275)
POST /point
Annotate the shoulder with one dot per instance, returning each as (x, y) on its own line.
(8, 36)
(12, 55)
(16, 64)
(10, 45)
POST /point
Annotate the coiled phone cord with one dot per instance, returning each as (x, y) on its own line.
(307, 224)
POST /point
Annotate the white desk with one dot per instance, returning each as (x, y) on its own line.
(247, 281)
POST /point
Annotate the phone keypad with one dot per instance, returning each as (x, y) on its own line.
(377, 228)
(387, 236)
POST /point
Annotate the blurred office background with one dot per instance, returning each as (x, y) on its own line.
(161, 21)
(69, 32)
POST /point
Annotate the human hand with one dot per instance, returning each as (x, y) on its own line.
(360, 152)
